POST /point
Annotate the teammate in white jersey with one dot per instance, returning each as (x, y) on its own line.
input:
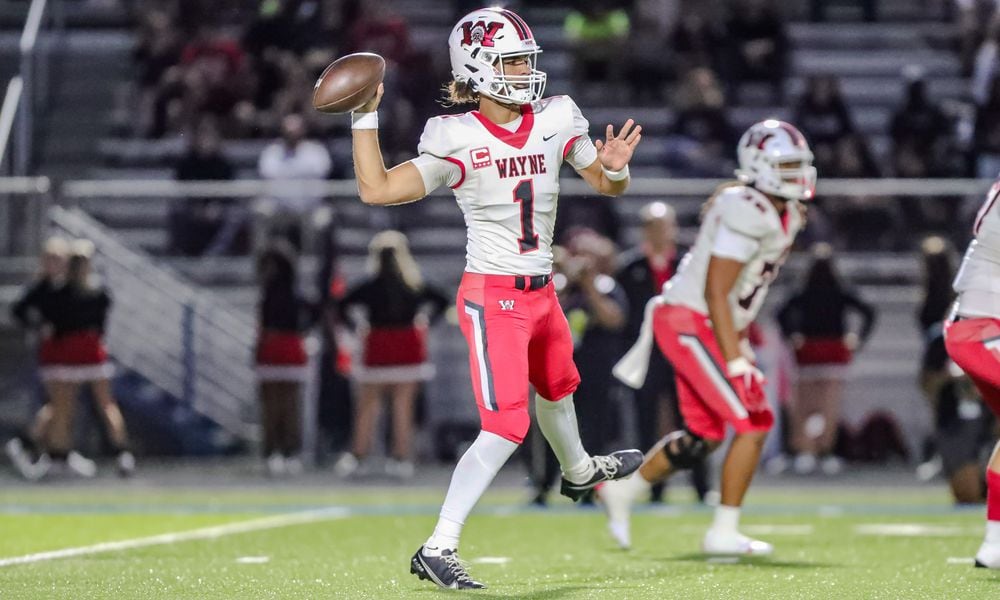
(972, 337)
(747, 231)
(503, 163)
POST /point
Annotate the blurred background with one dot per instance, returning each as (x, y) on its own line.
(178, 137)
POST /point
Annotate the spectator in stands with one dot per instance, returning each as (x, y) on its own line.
(396, 307)
(198, 224)
(977, 40)
(282, 362)
(986, 140)
(919, 119)
(701, 133)
(641, 275)
(758, 46)
(596, 308)
(649, 59)
(292, 158)
(596, 33)
(822, 115)
(817, 9)
(815, 322)
(158, 48)
(699, 37)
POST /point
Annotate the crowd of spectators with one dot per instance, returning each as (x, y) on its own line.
(243, 69)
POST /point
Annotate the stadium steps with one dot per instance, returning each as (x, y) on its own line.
(88, 70)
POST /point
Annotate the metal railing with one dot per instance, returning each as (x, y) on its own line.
(35, 68)
(185, 341)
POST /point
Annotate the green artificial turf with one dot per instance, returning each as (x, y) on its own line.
(829, 544)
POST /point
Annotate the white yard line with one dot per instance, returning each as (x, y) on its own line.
(205, 533)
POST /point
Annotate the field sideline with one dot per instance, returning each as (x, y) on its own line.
(121, 541)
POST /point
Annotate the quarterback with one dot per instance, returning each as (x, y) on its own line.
(502, 161)
(747, 231)
(972, 337)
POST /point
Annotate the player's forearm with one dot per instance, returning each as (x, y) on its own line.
(608, 187)
(369, 170)
(721, 316)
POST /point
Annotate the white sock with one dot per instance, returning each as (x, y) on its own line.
(993, 532)
(472, 475)
(727, 519)
(631, 489)
(557, 420)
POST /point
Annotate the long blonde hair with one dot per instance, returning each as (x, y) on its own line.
(396, 243)
(456, 93)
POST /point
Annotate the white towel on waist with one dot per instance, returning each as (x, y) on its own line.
(631, 369)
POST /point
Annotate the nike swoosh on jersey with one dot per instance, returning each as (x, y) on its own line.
(545, 139)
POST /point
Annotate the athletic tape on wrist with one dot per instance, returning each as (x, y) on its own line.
(364, 120)
(615, 175)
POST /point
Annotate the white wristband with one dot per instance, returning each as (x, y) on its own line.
(615, 175)
(364, 120)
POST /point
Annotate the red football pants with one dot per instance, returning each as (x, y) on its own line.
(705, 396)
(974, 345)
(515, 337)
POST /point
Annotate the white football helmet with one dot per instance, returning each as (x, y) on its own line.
(775, 158)
(479, 43)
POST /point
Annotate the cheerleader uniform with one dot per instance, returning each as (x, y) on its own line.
(74, 350)
(395, 349)
(281, 350)
(821, 319)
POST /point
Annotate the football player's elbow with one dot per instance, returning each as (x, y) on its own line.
(372, 196)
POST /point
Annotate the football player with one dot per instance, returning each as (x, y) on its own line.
(698, 322)
(972, 338)
(503, 162)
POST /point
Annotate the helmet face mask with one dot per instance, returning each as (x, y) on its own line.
(775, 158)
(482, 47)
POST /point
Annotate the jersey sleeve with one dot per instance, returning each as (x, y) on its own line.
(744, 213)
(580, 151)
(436, 161)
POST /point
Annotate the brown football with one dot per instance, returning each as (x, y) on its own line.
(348, 82)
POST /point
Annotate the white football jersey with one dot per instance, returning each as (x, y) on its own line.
(744, 225)
(978, 279)
(506, 179)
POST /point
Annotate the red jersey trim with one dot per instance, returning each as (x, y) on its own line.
(517, 138)
(569, 146)
(461, 166)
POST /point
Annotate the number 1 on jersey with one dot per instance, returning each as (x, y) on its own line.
(524, 193)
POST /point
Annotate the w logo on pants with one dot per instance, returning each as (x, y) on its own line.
(506, 304)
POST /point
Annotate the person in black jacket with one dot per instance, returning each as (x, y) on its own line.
(643, 271)
(815, 322)
(282, 362)
(397, 307)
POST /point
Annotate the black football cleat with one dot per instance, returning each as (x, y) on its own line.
(606, 468)
(446, 570)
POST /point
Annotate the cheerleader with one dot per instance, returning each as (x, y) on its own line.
(397, 306)
(72, 354)
(282, 362)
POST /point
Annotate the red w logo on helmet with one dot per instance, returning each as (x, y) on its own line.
(480, 32)
(758, 139)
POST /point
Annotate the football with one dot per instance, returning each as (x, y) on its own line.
(348, 82)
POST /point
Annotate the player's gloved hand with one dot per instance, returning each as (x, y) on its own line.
(748, 382)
